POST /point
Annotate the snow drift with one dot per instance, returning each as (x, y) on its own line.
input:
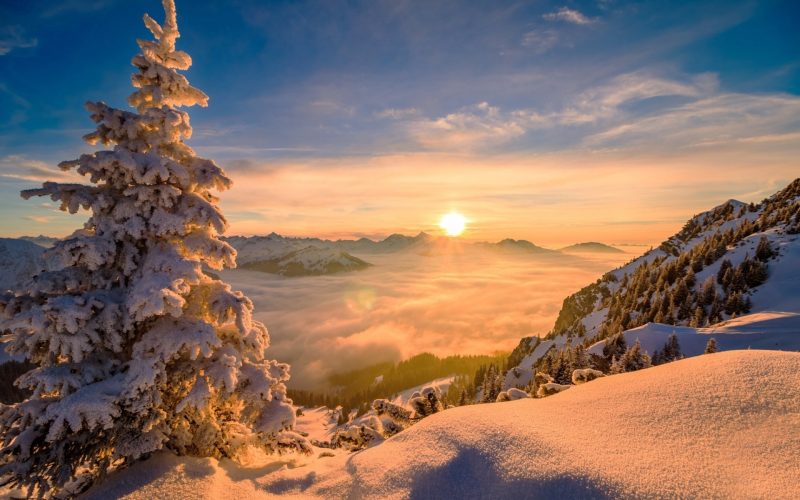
(720, 425)
(773, 330)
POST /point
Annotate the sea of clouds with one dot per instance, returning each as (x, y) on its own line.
(476, 302)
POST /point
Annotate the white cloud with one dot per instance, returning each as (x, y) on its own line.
(569, 15)
(13, 37)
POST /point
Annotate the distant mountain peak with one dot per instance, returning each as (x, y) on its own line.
(590, 247)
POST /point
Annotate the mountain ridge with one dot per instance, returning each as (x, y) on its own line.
(724, 263)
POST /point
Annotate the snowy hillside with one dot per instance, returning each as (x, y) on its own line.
(20, 260)
(685, 276)
(308, 261)
(41, 240)
(725, 263)
(718, 426)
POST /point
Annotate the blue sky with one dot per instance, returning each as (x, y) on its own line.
(688, 101)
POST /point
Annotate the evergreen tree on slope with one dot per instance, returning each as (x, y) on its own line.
(136, 349)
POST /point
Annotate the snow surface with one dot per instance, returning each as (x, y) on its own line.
(317, 423)
(766, 330)
(20, 260)
(782, 290)
(724, 425)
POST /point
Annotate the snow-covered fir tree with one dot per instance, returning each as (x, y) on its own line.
(360, 436)
(137, 349)
(427, 402)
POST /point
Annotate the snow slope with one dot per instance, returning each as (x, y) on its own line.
(443, 384)
(41, 240)
(522, 374)
(317, 423)
(718, 426)
(767, 330)
(20, 260)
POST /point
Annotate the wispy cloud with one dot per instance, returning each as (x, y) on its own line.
(632, 111)
(22, 168)
(606, 100)
(469, 127)
(329, 106)
(569, 15)
(716, 120)
(75, 6)
(14, 37)
(398, 113)
(540, 41)
(39, 219)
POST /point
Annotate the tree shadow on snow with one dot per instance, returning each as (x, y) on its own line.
(472, 476)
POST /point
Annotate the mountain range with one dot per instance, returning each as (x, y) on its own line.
(291, 256)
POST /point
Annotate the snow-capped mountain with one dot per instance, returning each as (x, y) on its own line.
(259, 248)
(254, 248)
(277, 254)
(308, 261)
(732, 260)
(393, 243)
(20, 260)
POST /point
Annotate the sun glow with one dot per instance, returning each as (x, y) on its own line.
(453, 224)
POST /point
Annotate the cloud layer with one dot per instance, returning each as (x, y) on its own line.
(466, 303)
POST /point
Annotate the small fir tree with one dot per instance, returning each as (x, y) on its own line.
(764, 251)
(711, 346)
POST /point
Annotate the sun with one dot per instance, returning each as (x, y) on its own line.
(453, 224)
